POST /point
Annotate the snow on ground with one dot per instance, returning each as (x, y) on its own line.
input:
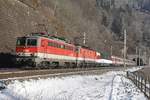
(109, 86)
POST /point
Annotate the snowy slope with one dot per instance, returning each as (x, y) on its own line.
(109, 86)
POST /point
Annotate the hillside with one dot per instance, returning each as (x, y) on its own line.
(103, 24)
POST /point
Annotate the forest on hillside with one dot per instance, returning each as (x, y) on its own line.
(103, 21)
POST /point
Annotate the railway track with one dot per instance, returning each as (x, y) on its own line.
(36, 74)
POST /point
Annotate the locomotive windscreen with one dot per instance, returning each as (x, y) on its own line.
(31, 42)
(21, 41)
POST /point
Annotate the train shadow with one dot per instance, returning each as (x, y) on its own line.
(7, 60)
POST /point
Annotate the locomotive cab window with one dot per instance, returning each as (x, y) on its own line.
(31, 42)
(21, 42)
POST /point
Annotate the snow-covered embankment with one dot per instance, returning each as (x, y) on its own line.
(109, 86)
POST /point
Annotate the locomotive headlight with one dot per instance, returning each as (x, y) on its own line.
(33, 54)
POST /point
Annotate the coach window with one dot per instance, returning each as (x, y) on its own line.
(31, 42)
(53, 44)
(49, 43)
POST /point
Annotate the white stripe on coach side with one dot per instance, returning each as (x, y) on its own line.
(53, 56)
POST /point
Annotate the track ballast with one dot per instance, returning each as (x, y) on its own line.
(45, 73)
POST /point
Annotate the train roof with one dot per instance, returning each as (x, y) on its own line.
(85, 47)
(52, 37)
(55, 38)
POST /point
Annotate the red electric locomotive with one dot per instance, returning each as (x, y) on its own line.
(41, 50)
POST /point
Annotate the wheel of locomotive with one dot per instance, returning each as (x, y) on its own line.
(67, 65)
(39, 65)
(55, 65)
(73, 65)
(83, 65)
(42, 65)
(47, 64)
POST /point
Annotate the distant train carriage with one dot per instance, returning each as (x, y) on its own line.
(104, 62)
(117, 61)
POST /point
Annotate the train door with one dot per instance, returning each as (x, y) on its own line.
(44, 46)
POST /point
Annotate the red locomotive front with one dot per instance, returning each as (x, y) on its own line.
(27, 49)
(38, 50)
